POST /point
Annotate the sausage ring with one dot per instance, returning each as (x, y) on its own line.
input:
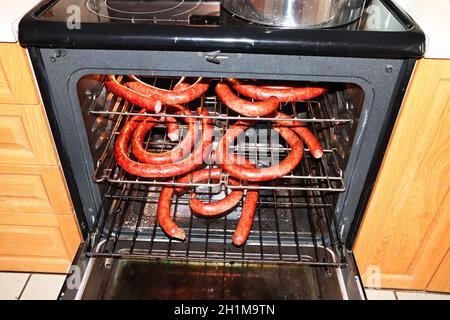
(194, 160)
(258, 174)
(215, 208)
(174, 155)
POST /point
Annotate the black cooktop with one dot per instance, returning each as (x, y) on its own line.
(383, 30)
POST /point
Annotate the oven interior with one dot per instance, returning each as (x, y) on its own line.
(294, 225)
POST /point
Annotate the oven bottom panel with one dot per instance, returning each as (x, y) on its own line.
(106, 278)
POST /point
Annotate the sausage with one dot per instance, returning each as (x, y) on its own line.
(246, 221)
(174, 155)
(258, 174)
(283, 94)
(246, 108)
(304, 133)
(170, 97)
(212, 209)
(218, 207)
(194, 160)
(150, 104)
(163, 213)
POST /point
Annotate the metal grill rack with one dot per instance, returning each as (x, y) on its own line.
(319, 175)
(289, 225)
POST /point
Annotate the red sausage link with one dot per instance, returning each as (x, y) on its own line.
(244, 107)
(194, 160)
(148, 103)
(244, 227)
(304, 133)
(163, 212)
(286, 94)
(170, 97)
(242, 231)
(215, 208)
(258, 174)
(174, 155)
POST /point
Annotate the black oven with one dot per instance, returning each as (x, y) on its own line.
(305, 222)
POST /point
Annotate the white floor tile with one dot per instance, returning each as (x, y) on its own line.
(43, 287)
(410, 295)
(11, 284)
(374, 294)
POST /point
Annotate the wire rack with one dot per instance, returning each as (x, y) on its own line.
(292, 227)
(318, 175)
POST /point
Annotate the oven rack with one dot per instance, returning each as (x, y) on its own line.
(324, 174)
(288, 224)
(311, 111)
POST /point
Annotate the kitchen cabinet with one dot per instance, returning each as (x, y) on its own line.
(38, 229)
(16, 79)
(405, 236)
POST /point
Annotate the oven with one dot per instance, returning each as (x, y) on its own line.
(305, 221)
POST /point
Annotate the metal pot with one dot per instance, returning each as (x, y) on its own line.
(306, 14)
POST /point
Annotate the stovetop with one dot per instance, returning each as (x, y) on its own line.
(382, 30)
(187, 12)
(376, 17)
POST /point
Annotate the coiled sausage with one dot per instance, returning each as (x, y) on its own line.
(258, 174)
(174, 155)
(194, 160)
(218, 207)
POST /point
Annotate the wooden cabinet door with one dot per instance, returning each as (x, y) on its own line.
(441, 279)
(33, 189)
(24, 136)
(38, 242)
(16, 80)
(405, 232)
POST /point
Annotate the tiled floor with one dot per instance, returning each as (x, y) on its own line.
(25, 286)
(375, 294)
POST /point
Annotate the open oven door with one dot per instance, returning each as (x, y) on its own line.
(117, 278)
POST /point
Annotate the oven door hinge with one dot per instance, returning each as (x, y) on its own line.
(91, 240)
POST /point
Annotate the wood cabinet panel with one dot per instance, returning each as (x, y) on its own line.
(16, 80)
(24, 136)
(441, 279)
(37, 243)
(33, 189)
(38, 228)
(405, 232)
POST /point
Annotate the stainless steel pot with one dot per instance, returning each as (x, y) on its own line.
(305, 14)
